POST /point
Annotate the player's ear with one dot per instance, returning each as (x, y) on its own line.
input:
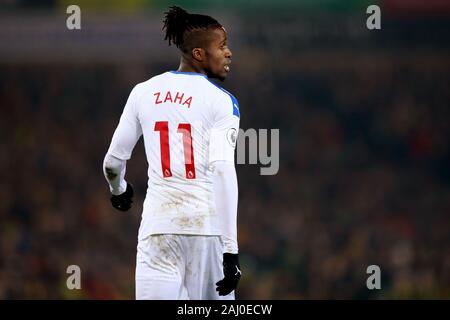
(198, 54)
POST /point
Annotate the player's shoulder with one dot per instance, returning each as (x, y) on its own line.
(223, 95)
(218, 90)
(150, 82)
(142, 87)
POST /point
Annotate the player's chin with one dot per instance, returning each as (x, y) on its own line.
(221, 75)
(218, 74)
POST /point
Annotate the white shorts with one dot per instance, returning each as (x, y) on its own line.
(179, 267)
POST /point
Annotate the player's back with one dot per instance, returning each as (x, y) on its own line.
(178, 113)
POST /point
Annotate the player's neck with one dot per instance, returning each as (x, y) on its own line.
(189, 67)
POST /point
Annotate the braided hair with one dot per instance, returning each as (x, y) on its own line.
(182, 27)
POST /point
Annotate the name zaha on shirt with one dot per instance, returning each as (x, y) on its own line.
(179, 98)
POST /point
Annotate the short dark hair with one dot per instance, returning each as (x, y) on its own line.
(182, 27)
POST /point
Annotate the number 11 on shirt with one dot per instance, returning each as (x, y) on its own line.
(185, 129)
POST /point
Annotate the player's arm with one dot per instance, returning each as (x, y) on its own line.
(226, 199)
(122, 144)
(222, 148)
(226, 196)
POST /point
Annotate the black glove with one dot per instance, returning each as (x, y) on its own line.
(232, 273)
(123, 201)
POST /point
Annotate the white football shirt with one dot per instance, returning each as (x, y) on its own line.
(187, 123)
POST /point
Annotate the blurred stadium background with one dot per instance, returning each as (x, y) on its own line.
(364, 144)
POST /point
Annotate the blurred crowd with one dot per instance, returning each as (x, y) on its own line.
(364, 177)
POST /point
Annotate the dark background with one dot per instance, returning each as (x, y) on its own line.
(364, 145)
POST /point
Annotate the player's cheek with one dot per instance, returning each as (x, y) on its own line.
(218, 64)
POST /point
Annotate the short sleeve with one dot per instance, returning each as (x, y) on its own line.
(225, 131)
(128, 131)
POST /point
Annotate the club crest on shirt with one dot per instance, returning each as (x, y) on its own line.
(232, 137)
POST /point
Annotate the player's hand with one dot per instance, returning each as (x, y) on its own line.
(123, 201)
(232, 274)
